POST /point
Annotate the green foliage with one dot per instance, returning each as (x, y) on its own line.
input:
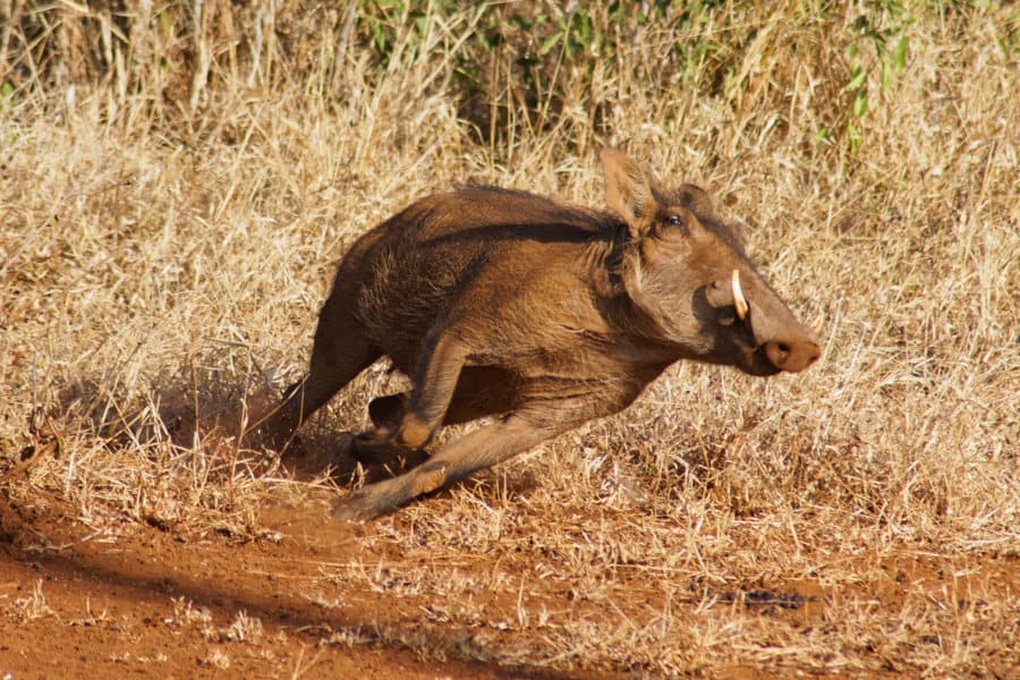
(6, 95)
(880, 33)
(1008, 35)
(382, 23)
(511, 67)
(709, 42)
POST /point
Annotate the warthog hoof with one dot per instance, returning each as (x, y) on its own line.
(362, 505)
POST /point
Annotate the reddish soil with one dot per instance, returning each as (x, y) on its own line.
(112, 609)
(156, 603)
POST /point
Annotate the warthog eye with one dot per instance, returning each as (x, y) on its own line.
(677, 222)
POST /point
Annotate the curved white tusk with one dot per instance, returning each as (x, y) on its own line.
(739, 301)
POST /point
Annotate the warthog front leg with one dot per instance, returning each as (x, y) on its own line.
(475, 451)
(482, 391)
(403, 432)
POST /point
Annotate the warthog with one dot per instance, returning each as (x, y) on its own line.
(543, 315)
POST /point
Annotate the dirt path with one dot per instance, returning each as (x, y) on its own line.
(145, 601)
(76, 606)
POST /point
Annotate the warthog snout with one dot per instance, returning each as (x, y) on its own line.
(773, 340)
(792, 355)
(539, 314)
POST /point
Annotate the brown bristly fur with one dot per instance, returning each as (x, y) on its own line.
(504, 304)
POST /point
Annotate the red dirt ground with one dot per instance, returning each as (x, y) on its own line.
(159, 604)
(112, 609)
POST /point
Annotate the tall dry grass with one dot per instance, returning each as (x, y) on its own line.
(177, 182)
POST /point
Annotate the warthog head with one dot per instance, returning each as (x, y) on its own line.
(687, 270)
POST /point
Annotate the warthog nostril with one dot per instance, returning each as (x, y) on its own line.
(792, 356)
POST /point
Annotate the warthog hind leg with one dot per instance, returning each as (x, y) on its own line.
(475, 451)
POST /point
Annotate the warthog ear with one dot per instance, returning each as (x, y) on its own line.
(629, 191)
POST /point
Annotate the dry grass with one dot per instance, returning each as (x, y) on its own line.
(173, 201)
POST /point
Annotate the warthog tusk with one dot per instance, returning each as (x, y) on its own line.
(816, 325)
(739, 301)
